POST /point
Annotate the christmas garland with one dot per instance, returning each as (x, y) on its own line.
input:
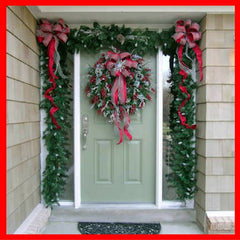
(56, 103)
(182, 158)
(119, 85)
(178, 42)
(138, 41)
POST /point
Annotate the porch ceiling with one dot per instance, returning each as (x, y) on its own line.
(74, 15)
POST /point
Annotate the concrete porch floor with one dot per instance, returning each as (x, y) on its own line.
(64, 219)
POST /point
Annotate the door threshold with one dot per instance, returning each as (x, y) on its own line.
(165, 205)
(118, 205)
(110, 205)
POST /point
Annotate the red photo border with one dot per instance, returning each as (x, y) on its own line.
(3, 5)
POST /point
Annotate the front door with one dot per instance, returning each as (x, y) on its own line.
(124, 173)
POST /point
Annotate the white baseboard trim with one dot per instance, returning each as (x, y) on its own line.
(36, 220)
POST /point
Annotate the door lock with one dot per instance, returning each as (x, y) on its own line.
(85, 130)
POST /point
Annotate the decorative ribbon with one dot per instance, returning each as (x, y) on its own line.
(49, 35)
(119, 65)
(187, 33)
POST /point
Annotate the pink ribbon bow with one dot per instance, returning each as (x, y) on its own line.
(47, 31)
(119, 65)
(48, 34)
(187, 33)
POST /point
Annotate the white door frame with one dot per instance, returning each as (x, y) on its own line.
(77, 131)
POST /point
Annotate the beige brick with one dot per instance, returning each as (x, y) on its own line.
(19, 174)
(201, 130)
(220, 202)
(20, 194)
(217, 39)
(22, 152)
(21, 31)
(19, 215)
(200, 216)
(220, 130)
(228, 93)
(20, 91)
(201, 146)
(219, 184)
(209, 93)
(201, 111)
(216, 166)
(218, 57)
(218, 75)
(24, 14)
(219, 148)
(220, 166)
(219, 22)
(215, 93)
(201, 94)
(23, 132)
(212, 201)
(215, 148)
(201, 164)
(216, 130)
(18, 112)
(220, 112)
(203, 25)
(20, 51)
(220, 93)
(22, 72)
(201, 181)
(200, 198)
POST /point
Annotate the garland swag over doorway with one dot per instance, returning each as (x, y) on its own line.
(180, 43)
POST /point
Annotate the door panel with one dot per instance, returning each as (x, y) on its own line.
(103, 162)
(133, 162)
(122, 173)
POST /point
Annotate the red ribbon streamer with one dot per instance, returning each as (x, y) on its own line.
(48, 34)
(120, 63)
(119, 129)
(187, 33)
(184, 90)
(52, 77)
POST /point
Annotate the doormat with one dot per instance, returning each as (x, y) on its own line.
(118, 228)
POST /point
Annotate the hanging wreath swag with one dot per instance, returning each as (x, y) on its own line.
(118, 86)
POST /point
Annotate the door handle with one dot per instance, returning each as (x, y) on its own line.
(85, 130)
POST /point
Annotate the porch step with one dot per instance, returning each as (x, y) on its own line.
(220, 222)
(106, 214)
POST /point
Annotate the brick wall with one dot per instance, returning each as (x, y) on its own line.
(23, 127)
(215, 118)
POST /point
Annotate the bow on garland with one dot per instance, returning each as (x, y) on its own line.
(119, 65)
(49, 35)
(187, 33)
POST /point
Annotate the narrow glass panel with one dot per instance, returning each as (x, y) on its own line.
(68, 194)
(169, 193)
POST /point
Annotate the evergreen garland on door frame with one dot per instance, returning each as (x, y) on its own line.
(56, 140)
(138, 41)
(182, 157)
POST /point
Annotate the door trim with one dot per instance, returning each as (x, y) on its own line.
(159, 124)
(77, 131)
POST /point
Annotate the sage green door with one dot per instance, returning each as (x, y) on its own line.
(122, 173)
